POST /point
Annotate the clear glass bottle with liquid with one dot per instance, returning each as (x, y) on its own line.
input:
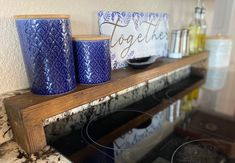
(194, 32)
(203, 29)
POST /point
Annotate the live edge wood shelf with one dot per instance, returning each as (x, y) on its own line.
(28, 111)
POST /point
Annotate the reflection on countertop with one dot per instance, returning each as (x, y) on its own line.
(217, 94)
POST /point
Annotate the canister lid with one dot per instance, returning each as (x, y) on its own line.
(90, 37)
(176, 31)
(48, 16)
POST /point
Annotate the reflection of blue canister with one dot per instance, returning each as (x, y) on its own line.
(46, 45)
(92, 59)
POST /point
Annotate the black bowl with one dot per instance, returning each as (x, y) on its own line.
(141, 63)
(139, 60)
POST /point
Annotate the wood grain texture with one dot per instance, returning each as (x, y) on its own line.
(36, 107)
(27, 112)
(30, 136)
(90, 37)
(48, 16)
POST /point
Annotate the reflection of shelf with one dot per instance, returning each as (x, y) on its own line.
(107, 129)
(28, 111)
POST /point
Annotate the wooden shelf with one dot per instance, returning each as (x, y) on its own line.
(28, 111)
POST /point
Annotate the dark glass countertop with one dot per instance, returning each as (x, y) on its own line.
(206, 134)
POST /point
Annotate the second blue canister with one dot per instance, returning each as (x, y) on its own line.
(46, 44)
(92, 59)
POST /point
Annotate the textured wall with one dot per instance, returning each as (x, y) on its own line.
(83, 19)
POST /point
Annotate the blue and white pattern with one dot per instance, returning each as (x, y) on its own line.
(47, 49)
(135, 136)
(92, 60)
(134, 34)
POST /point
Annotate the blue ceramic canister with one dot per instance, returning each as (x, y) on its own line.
(92, 59)
(46, 44)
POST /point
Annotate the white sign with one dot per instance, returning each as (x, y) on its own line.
(134, 35)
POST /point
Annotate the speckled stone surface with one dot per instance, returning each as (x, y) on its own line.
(11, 152)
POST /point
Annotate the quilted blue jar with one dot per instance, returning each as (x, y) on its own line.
(92, 59)
(46, 44)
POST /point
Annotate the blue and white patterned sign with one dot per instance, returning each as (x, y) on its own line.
(134, 34)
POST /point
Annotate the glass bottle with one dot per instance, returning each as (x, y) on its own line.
(203, 28)
(194, 32)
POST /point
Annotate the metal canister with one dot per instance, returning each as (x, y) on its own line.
(184, 42)
(175, 44)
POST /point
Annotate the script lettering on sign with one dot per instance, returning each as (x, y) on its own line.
(134, 35)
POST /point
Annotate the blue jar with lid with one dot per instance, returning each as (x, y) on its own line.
(92, 59)
(46, 44)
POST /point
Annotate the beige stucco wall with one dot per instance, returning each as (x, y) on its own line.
(83, 20)
(232, 35)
